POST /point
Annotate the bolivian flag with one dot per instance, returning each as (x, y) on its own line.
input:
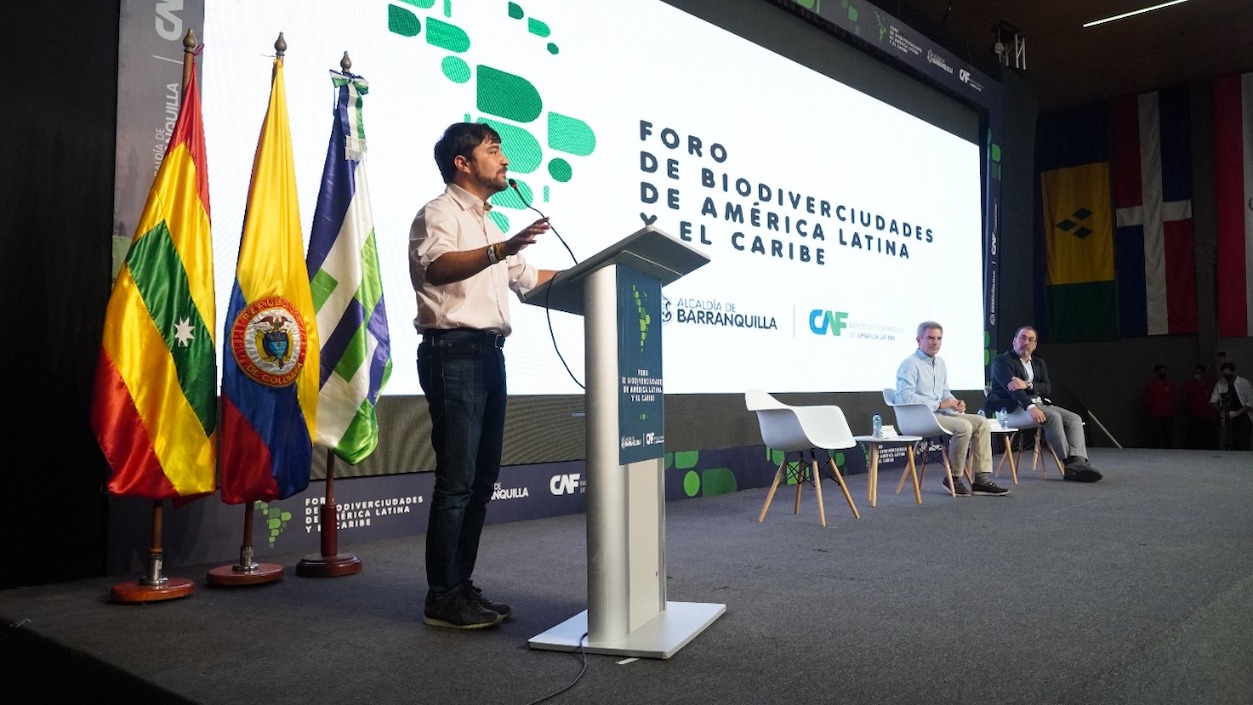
(154, 406)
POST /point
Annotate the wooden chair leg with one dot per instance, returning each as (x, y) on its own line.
(909, 466)
(843, 487)
(872, 476)
(919, 471)
(1008, 456)
(822, 512)
(1035, 452)
(1061, 467)
(778, 477)
(952, 490)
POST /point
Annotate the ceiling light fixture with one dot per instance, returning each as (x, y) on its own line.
(1124, 15)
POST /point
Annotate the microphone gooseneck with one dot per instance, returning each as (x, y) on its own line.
(514, 185)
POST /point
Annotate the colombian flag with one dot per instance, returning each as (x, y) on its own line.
(154, 404)
(1078, 225)
(270, 342)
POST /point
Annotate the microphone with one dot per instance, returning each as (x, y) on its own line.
(514, 185)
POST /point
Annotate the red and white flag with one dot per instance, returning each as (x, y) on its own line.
(1151, 166)
(1233, 164)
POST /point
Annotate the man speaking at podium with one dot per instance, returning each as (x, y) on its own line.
(462, 268)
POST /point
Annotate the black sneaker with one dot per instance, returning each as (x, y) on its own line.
(987, 488)
(959, 487)
(475, 594)
(459, 612)
(1076, 473)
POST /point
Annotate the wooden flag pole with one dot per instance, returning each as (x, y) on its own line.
(329, 564)
(153, 587)
(247, 571)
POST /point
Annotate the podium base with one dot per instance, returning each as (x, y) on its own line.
(328, 566)
(660, 637)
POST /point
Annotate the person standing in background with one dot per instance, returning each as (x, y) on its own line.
(1233, 398)
(1201, 429)
(1159, 395)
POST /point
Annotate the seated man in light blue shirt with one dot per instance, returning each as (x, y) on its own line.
(923, 378)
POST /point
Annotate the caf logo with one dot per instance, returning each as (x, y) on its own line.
(268, 339)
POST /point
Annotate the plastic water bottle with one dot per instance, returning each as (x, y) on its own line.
(981, 412)
(877, 423)
(1002, 418)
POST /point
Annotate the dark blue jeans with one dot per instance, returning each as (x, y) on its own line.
(462, 373)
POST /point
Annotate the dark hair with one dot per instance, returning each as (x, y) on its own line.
(1228, 366)
(459, 140)
(1158, 367)
(1030, 328)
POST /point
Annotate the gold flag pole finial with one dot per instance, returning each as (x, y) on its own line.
(280, 46)
(345, 63)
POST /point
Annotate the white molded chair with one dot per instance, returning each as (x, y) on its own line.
(1020, 419)
(919, 420)
(797, 429)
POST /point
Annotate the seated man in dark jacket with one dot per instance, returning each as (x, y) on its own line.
(1020, 384)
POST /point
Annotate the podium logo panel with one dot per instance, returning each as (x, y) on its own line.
(641, 423)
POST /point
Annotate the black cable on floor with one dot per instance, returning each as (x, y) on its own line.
(572, 683)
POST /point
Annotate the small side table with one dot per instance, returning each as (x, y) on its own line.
(872, 491)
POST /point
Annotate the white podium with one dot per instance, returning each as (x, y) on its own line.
(618, 293)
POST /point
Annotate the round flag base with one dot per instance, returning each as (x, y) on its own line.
(328, 566)
(137, 591)
(235, 575)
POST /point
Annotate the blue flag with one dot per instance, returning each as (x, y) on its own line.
(355, 356)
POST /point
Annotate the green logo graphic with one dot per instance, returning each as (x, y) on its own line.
(510, 104)
(645, 319)
(276, 519)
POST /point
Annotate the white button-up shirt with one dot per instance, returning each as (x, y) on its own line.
(454, 222)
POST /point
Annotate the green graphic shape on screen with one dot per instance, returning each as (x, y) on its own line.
(716, 481)
(560, 170)
(524, 150)
(502, 98)
(508, 95)
(682, 459)
(570, 135)
(456, 69)
(403, 22)
(446, 36)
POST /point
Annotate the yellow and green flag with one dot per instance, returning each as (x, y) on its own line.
(1078, 227)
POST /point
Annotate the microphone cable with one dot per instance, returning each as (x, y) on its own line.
(514, 185)
(548, 314)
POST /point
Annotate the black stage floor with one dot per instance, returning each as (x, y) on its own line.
(1137, 589)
